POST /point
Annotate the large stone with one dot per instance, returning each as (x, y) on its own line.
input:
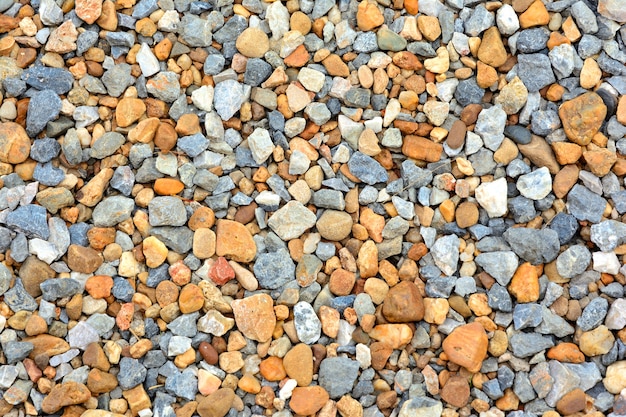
(14, 143)
(67, 393)
(291, 221)
(403, 303)
(467, 346)
(255, 317)
(582, 117)
(234, 241)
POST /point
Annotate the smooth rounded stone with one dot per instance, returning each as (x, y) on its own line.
(253, 43)
(112, 210)
(535, 185)
(573, 261)
(532, 245)
(535, 71)
(274, 270)
(615, 379)
(216, 404)
(492, 196)
(43, 107)
(445, 253)
(337, 375)
(389, 41)
(308, 326)
(334, 225)
(593, 314)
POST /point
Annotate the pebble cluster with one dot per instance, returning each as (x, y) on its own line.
(356, 208)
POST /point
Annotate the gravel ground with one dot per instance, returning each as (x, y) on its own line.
(357, 209)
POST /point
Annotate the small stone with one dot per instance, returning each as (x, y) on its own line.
(456, 391)
(227, 98)
(298, 363)
(274, 269)
(216, 404)
(88, 10)
(261, 145)
(615, 379)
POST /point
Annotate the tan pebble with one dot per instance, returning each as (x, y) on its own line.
(253, 43)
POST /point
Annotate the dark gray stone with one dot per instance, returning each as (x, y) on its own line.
(585, 205)
(532, 245)
(46, 78)
(43, 107)
(55, 288)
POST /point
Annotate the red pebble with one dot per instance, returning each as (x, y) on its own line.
(221, 272)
